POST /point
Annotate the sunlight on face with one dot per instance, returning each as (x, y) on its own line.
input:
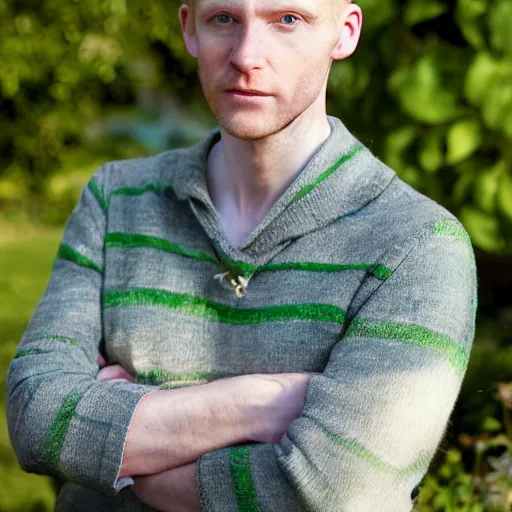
(263, 63)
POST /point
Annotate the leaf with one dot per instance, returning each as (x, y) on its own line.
(481, 73)
(486, 187)
(500, 19)
(497, 103)
(472, 8)
(504, 205)
(463, 139)
(411, 175)
(507, 123)
(397, 143)
(499, 440)
(483, 229)
(378, 13)
(463, 185)
(473, 32)
(431, 152)
(453, 456)
(491, 424)
(421, 92)
(417, 11)
(469, 16)
(342, 75)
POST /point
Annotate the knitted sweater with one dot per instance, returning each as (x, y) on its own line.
(352, 274)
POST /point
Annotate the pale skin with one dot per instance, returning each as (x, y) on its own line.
(263, 66)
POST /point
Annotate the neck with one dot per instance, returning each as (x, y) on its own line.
(246, 177)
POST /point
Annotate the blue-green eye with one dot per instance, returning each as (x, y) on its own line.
(289, 19)
(224, 19)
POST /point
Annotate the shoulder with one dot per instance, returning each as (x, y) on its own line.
(401, 213)
(403, 225)
(428, 243)
(158, 171)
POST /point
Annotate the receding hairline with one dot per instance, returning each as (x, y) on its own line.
(194, 2)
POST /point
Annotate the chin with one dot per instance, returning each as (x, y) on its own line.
(249, 126)
(245, 131)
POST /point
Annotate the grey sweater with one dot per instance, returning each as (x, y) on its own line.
(352, 274)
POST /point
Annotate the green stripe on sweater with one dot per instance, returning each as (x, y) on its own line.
(29, 352)
(381, 272)
(66, 252)
(138, 191)
(161, 377)
(205, 308)
(98, 195)
(450, 227)
(39, 336)
(456, 354)
(134, 240)
(59, 429)
(247, 270)
(245, 490)
(417, 466)
(308, 188)
(315, 267)
(44, 336)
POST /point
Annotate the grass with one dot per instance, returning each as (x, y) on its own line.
(26, 256)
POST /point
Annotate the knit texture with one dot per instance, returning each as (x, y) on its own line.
(352, 274)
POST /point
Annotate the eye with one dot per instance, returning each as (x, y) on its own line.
(223, 19)
(289, 19)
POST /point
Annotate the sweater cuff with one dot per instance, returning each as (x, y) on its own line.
(97, 434)
(244, 478)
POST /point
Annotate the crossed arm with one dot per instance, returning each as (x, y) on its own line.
(198, 420)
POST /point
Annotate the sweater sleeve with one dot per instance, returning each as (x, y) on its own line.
(60, 419)
(372, 421)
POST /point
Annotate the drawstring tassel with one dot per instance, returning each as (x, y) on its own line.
(231, 282)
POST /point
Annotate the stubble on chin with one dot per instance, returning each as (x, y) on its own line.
(243, 129)
(240, 125)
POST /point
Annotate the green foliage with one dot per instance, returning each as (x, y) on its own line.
(438, 106)
(428, 89)
(62, 62)
(450, 488)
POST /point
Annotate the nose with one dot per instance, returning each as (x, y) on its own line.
(248, 51)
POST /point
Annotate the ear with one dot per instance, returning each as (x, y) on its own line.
(188, 29)
(351, 22)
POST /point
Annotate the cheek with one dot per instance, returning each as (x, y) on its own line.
(305, 76)
(209, 59)
(308, 60)
(207, 71)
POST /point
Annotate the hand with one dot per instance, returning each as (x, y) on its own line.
(174, 490)
(282, 396)
(113, 372)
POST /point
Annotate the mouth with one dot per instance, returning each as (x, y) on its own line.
(247, 92)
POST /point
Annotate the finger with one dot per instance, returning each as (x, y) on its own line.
(101, 361)
(114, 371)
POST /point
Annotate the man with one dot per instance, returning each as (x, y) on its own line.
(298, 319)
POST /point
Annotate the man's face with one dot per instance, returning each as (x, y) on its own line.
(262, 63)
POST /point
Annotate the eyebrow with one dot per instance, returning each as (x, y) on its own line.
(295, 8)
(207, 7)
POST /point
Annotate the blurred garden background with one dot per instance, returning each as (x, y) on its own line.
(429, 90)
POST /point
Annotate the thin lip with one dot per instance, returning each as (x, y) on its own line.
(248, 91)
